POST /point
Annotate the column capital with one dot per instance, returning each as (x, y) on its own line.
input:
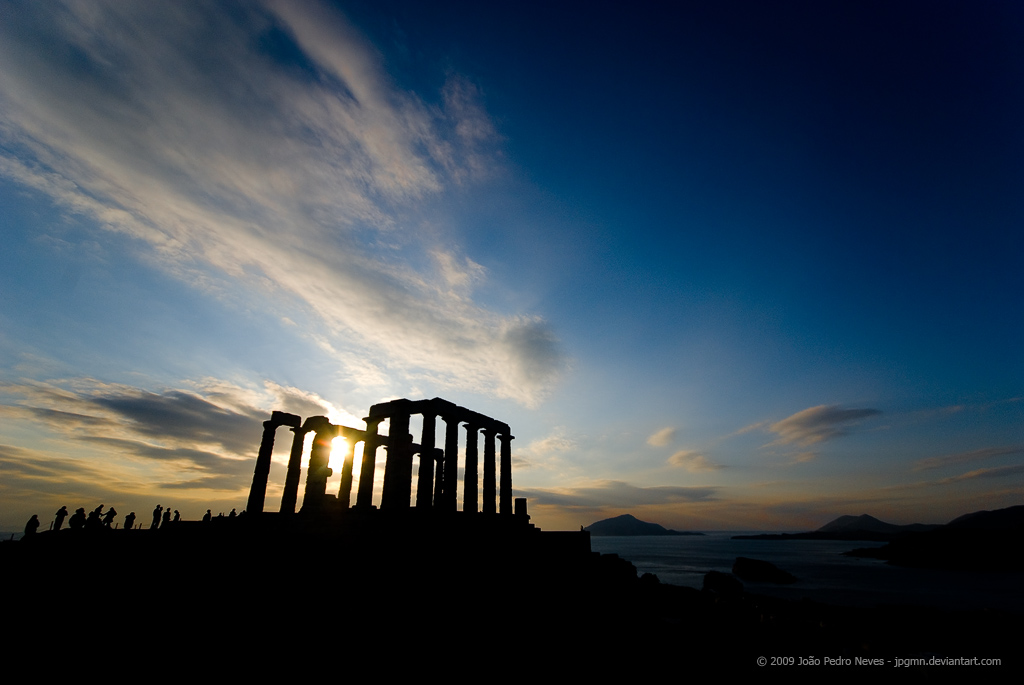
(280, 418)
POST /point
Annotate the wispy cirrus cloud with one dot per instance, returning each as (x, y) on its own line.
(613, 494)
(994, 472)
(693, 461)
(818, 424)
(804, 457)
(662, 437)
(547, 451)
(966, 457)
(24, 463)
(29, 477)
(265, 148)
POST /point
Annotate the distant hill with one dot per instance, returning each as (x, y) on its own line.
(627, 524)
(980, 541)
(1001, 519)
(871, 524)
(861, 527)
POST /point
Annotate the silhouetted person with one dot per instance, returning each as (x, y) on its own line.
(232, 514)
(207, 517)
(177, 516)
(129, 521)
(77, 521)
(94, 521)
(61, 514)
(32, 525)
(108, 518)
(156, 517)
(167, 518)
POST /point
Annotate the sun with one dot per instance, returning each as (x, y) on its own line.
(337, 457)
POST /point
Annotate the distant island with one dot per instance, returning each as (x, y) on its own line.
(979, 541)
(861, 527)
(627, 524)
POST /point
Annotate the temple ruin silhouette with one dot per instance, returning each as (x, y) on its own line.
(436, 484)
(490, 526)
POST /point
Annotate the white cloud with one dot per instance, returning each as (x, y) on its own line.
(818, 424)
(550, 445)
(693, 461)
(662, 437)
(176, 127)
(548, 452)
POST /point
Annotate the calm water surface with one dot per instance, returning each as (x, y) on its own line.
(823, 573)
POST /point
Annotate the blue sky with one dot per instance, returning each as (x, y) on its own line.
(724, 265)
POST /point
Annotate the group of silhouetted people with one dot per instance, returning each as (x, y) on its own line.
(97, 519)
(162, 517)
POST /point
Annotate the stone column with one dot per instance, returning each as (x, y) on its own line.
(469, 485)
(258, 489)
(439, 479)
(345, 491)
(425, 481)
(291, 481)
(318, 472)
(364, 498)
(451, 462)
(398, 468)
(505, 495)
(489, 480)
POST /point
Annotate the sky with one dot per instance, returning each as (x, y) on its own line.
(721, 265)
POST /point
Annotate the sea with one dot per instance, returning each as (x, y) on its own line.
(823, 573)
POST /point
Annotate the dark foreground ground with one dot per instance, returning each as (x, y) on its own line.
(242, 602)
